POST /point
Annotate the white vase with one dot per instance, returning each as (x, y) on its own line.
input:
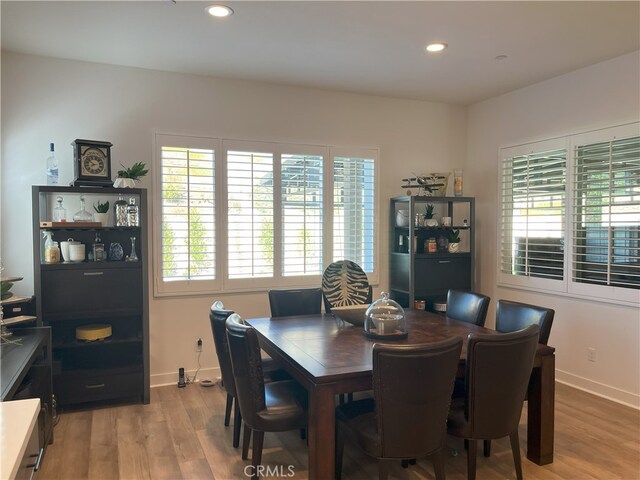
(103, 218)
(454, 247)
(124, 183)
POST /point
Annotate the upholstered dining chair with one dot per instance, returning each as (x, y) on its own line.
(300, 301)
(497, 374)
(512, 316)
(467, 307)
(218, 317)
(265, 407)
(345, 283)
(406, 419)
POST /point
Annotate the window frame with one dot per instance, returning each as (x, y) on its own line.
(566, 287)
(222, 283)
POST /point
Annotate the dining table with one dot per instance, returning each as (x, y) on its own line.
(328, 357)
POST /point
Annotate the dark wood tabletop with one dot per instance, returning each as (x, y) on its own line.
(328, 357)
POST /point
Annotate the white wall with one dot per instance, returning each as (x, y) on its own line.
(47, 100)
(602, 95)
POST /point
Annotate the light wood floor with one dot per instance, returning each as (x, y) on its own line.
(181, 435)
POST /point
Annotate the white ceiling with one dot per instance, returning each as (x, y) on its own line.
(367, 47)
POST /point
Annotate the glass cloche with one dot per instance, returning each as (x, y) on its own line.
(385, 319)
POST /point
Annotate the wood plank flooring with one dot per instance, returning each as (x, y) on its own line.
(181, 435)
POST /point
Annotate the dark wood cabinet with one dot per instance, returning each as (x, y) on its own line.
(111, 292)
(415, 271)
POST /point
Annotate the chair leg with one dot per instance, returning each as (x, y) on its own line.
(515, 448)
(383, 469)
(256, 453)
(339, 451)
(471, 459)
(487, 448)
(237, 422)
(245, 442)
(227, 410)
(438, 464)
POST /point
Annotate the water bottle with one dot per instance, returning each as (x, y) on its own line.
(52, 167)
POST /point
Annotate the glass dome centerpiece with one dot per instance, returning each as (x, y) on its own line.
(385, 319)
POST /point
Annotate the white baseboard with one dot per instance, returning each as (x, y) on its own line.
(162, 379)
(600, 389)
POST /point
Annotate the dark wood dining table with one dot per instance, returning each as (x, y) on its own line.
(329, 357)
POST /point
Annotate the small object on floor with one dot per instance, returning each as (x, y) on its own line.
(206, 383)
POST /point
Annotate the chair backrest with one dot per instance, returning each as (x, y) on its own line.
(412, 386)
(512, 316)
(218, 317)
(302, 301)
(497, 375)
(345, 283)
(467, 307)
(246, 361)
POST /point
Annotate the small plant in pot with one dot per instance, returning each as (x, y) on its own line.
(127, 177)
(102, 212)
(428, 215)
(454, 240)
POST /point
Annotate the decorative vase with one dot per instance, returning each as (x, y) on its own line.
(103, 218)
(115, 252)
(431, 222)
(454, 247)
(124, 183)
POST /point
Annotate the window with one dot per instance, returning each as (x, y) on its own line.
(533, 213)
(240, 216)
(187, 239)
(600, 227)
(607, 213)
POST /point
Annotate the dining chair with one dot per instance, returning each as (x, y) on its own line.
(265, 407)
(497, 374)
(301, 301)
(345, 283)
(467, 307)
(406, 418)
(512, 316)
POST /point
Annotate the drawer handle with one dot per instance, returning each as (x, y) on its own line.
(36, 466)
(92, 274)
(99, 385)
(444, 261)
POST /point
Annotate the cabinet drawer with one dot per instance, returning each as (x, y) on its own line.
(89, 387)
(83, 292)
(30, 463)
(438, 275)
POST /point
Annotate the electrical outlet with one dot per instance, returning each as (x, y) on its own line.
(591, 354)
(199, 345)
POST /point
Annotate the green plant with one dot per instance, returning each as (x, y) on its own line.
(453, 236)
(101, 207)
(136, 172)
(429, 212)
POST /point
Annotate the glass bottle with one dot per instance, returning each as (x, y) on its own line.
(52, 167)
(133, 217)
(432, 246)
(133, 257)
(59, 212)
(98, 249)
(120, 207)
(82, 215)
(457, 182)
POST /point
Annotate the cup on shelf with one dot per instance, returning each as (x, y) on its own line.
(64, 248)
(76, 252)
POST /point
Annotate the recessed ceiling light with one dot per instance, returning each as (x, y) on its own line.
(436, 47)
(219, 11)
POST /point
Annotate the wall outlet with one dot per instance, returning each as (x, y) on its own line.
(591, 354)
(199, 345)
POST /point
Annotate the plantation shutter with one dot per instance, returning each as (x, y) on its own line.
(301, 201)
(532, 214)
(250, 216)
(353, 210)
(606, 221)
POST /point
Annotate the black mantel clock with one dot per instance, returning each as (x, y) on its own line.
(92, 163)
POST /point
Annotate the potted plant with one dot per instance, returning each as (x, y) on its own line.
(102, 212)
(127, 177)
(454, 240)
(428, 215)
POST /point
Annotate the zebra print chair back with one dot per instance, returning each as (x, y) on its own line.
(345, 283)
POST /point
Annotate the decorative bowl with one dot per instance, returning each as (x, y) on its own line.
(353, 314)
